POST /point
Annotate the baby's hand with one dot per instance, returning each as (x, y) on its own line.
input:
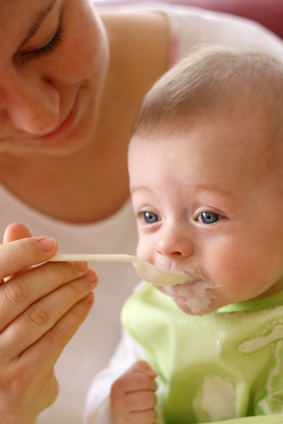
(132, 396)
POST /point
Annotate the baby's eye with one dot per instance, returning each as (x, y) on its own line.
(150, 217)
(208, 217)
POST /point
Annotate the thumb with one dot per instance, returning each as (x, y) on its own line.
(15, 232)
(143, 367)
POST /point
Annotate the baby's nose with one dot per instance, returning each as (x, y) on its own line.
(174, 243)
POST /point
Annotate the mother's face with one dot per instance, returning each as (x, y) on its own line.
(53, 62)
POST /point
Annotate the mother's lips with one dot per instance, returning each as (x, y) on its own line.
(65, 126)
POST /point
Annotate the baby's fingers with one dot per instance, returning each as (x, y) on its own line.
(142, 367)
(134, 407)
(143, 417)
(134, 382)
(140, 401)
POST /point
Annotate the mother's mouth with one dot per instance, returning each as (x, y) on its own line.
(64, 127)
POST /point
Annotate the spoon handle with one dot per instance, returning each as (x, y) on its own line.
(91, 258)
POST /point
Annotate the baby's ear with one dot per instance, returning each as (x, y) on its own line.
(142, 367)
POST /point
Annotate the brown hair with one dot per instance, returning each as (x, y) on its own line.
(211, 79)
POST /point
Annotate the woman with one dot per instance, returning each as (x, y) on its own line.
(71, 83)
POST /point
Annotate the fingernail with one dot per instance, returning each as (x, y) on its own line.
(47, 244)
(81, 266)
(91, 275)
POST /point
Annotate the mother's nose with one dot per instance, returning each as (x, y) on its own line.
(30, 103)
(174, 242)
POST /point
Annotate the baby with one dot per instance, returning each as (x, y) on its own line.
(206, 177)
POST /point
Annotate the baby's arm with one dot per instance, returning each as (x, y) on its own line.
(133, 396)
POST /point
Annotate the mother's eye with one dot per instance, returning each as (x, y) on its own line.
(208, 217)
(150, 217)
(50, 46)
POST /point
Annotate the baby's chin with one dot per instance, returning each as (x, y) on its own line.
(183, 306)
(194, 298)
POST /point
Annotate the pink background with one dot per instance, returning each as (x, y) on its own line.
(267, 12)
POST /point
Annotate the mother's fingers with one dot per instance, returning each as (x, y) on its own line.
(48, 349)
(23, 253)
(42, 315)
(18, 293)
(16, 231)
(27, 383)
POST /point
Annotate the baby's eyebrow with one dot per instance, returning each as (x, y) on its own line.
(38, 20)
(212, 187)
(200, 187)
(135, 189)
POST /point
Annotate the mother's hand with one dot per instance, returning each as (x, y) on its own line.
(40, 310)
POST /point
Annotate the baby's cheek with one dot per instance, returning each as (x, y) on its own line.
(144, 251)
(140, 251)
(235, 275)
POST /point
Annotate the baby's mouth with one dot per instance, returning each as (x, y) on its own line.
(194, 295)
(193, 275)
(186, 288)
(157, 275)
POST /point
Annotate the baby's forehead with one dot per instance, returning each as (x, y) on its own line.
(243, 141)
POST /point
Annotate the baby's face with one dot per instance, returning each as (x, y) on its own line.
(206, 205)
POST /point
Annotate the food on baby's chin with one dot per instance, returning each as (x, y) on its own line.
(197, 295)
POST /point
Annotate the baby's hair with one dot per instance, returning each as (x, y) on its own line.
(212, 79)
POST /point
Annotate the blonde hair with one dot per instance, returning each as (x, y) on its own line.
(211, 79)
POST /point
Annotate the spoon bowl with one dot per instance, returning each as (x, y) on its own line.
(148, 272)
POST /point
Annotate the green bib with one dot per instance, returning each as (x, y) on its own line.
(214, 367)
